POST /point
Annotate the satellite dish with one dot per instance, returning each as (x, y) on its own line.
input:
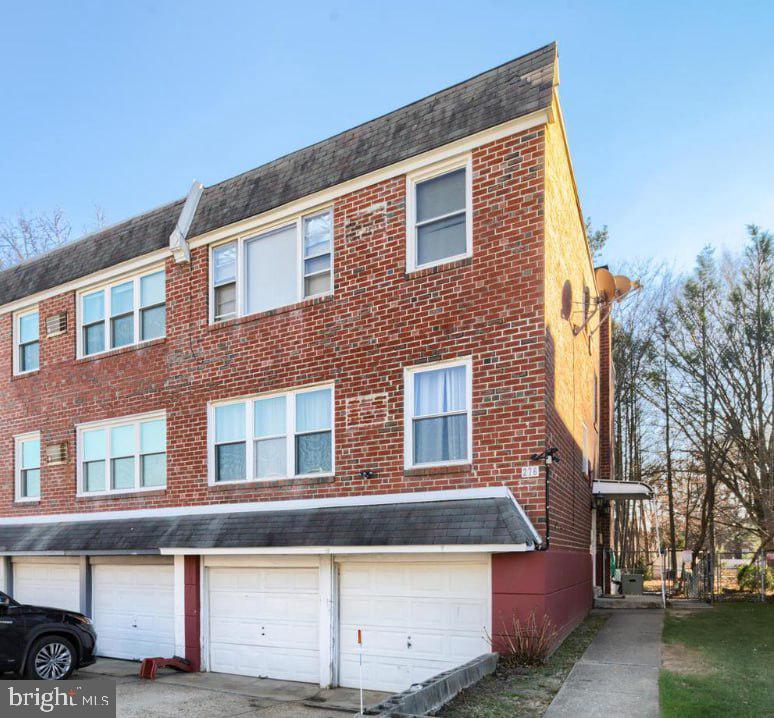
(622, 284)
(606, 284)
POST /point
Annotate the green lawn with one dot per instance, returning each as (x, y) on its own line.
(521, 692)
(719, 662)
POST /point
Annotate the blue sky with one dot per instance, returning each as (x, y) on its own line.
(669, 106)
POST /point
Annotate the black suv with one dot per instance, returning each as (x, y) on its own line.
(43, 643)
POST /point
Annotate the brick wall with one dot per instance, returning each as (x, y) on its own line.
(572, 351)
(378, 321)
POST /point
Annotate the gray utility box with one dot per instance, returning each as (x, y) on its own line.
(631, 584)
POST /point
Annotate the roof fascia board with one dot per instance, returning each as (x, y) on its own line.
(312, 201)
(538, 538)
(350, 550)
(288, 505)
(294, 550)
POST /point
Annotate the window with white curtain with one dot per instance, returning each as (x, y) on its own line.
(122, 455)
(439, 215)
(273, 269)
(121, 314)
(27, 450)
(273, 437)
(26, 332)
(438, 427)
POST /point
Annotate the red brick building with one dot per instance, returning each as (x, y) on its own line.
(307, 399)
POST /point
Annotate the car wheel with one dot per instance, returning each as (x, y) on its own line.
(52, 658)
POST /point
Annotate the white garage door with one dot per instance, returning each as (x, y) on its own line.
(418, 619)
(265, 622)
(47, 584)
(133, 609)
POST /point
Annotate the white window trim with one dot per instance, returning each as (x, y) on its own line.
(136, 310)
(16, 345)
(241, 239)
(408, 411)
(290, 426)
(17, 442)
(422, 175)
(107, 424)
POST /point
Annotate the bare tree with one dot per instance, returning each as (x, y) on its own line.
(27, 235)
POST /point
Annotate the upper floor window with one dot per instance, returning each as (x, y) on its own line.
(122, 455)
(123, 313)
(27, 451)
(273, 269)
(26, 342)
(273, 437)
(438, 427)
(438, 216)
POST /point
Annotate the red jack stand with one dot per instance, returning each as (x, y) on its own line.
(149, 666)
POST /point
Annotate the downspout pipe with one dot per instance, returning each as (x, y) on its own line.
(548, 457)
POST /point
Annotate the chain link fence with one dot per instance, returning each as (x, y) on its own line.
(734, 575)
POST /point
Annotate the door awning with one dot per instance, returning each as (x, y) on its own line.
(622, 490)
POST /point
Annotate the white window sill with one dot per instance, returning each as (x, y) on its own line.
(27, 372)
(438, 263)
(124, 348)
(27, 499)
(272, 480)
(438, 465)
(123, 492)
(298, 304)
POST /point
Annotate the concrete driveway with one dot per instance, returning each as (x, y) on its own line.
(194, 695)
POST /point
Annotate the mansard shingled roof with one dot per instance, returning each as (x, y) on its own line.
(485, 521)
(517, 88)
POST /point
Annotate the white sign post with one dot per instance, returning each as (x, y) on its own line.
(360, 647)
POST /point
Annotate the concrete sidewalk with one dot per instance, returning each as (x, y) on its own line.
(618, 673)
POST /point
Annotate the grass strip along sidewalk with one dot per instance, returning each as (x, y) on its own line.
(524, 692)
(719, 662)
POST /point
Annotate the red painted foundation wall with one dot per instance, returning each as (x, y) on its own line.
(554, 583)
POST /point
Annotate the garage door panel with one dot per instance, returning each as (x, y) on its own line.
(424, 619)
(47, 584)
(134, 610)
(270, 630)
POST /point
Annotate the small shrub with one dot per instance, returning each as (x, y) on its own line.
(526, 643)
(749, 578)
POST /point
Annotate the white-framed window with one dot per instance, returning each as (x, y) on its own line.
(439, 214)
(272, 436)
(274, 268)
(122, 455)
(123, 313)
(27, 462)
(438, 427)
(26, 341)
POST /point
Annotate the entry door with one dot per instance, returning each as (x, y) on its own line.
(55, 584)
(417, 619)
(134, 610)
(265, 622)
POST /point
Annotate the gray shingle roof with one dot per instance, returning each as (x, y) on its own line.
(475, 521)
(511, 90)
